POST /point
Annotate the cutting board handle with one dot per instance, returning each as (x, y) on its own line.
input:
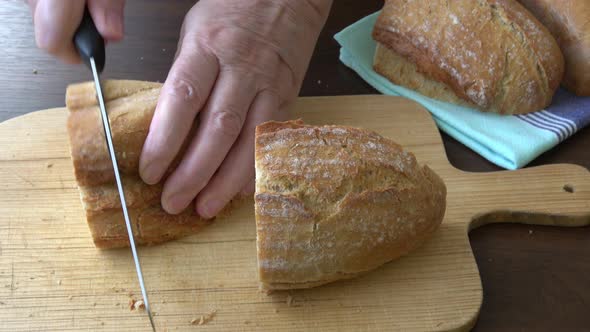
(531, 195)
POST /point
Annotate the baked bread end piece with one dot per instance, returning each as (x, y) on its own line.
(334, 202)
(491, 55)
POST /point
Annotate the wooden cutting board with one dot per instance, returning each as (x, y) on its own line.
(52, 277)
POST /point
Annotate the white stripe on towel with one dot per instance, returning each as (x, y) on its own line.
(534, 123)
(563, 128)
(571, 123)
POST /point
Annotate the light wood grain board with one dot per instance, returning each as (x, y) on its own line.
(53, 279)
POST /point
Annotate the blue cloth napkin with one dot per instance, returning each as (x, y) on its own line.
(510, 142)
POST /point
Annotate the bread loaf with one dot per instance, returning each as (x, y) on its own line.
(130, 105)
(492, 55)
(569, 22)
(333, 202)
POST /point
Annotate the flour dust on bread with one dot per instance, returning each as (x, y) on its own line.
(334, 202)
(492, 55)
(130, 105)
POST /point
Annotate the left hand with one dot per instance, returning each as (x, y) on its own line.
(239, 63)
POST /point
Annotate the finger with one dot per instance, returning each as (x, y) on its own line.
(32, 5)
(238, 169)
(56, 22)
(221, 123)
(249, 188)
(108, 17)
(184, 93)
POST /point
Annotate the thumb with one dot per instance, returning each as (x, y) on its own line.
(108, 18)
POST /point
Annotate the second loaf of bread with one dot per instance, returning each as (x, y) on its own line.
(492, 55)
(334, 202)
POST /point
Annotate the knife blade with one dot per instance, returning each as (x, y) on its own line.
(90, 46)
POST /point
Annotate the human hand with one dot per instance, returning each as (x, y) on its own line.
(239, 63)
(56, 21)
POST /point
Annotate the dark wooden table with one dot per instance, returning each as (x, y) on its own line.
(537, 281)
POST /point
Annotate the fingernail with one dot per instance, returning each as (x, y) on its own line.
(150, 173)
(211, 208)
(174, 204)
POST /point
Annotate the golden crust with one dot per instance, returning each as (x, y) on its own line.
(333, 202)
(569, 22)
(492, 54)
(130, 105)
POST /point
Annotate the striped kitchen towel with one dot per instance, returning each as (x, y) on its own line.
(510, 142)
(566, 115)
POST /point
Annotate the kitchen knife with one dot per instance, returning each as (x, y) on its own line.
(90, 46)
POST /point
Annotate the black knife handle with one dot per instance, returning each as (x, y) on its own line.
(89, 42)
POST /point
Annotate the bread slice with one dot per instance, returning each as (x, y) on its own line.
(333, 202)
(130, 105)
(492, 55)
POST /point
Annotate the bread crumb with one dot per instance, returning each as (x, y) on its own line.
(136, 304)
(139, 305)
(49, 165)
(101, 323)
(530, 231)
(163, 301)
(30, 315)
(70, 297)
(94, 304)
(319, 82)
(204, 319)
(59, 282)
(35, 71)
(118, 290)
(163, 50)
(141, 58)
(289, 300)
(276, 311)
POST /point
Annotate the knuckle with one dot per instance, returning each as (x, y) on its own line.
(227, 122)
(181, 86)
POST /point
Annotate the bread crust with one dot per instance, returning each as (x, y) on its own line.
(569, 22)
(334, 202)
(130, 105)
(492, 54)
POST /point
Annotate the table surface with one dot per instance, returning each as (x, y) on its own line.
(534, 278)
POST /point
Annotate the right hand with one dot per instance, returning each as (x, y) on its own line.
(56, 21)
